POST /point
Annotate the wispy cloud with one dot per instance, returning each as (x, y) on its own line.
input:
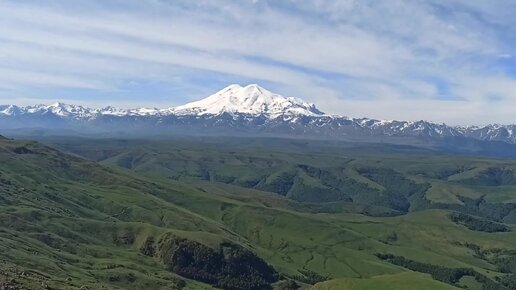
(439, 60)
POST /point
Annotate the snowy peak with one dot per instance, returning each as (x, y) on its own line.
(249, 100)
(59, 109)
(10, 110)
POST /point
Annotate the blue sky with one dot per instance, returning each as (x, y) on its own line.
(448, 61)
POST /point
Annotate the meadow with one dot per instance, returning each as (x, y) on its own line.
(245, 213)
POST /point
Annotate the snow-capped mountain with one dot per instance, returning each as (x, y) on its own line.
(237, 110)
(61, 110)
(250, 100)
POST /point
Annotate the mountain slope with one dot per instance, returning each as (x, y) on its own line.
(73, 223)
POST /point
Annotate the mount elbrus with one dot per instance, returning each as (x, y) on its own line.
(238, 110)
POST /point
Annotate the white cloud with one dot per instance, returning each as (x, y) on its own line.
(437, 60)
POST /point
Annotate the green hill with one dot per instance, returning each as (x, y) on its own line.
(160, 223)
(74, 223)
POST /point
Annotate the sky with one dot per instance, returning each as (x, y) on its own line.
(450, 61)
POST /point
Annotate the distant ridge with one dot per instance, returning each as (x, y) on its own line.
(248, 110)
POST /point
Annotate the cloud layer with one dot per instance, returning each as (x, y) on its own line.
(442, 60)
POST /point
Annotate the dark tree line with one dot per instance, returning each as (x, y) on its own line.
(443, 274)
(310, 277)
(477, 224)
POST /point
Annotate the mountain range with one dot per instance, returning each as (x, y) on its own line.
(237, 110)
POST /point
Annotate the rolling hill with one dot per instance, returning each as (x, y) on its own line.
(71, 223)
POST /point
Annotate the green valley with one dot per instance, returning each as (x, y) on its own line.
(252, 213)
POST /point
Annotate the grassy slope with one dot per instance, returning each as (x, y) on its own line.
(86, 222)
(79, 224)
(403, 281)
(344, 244)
